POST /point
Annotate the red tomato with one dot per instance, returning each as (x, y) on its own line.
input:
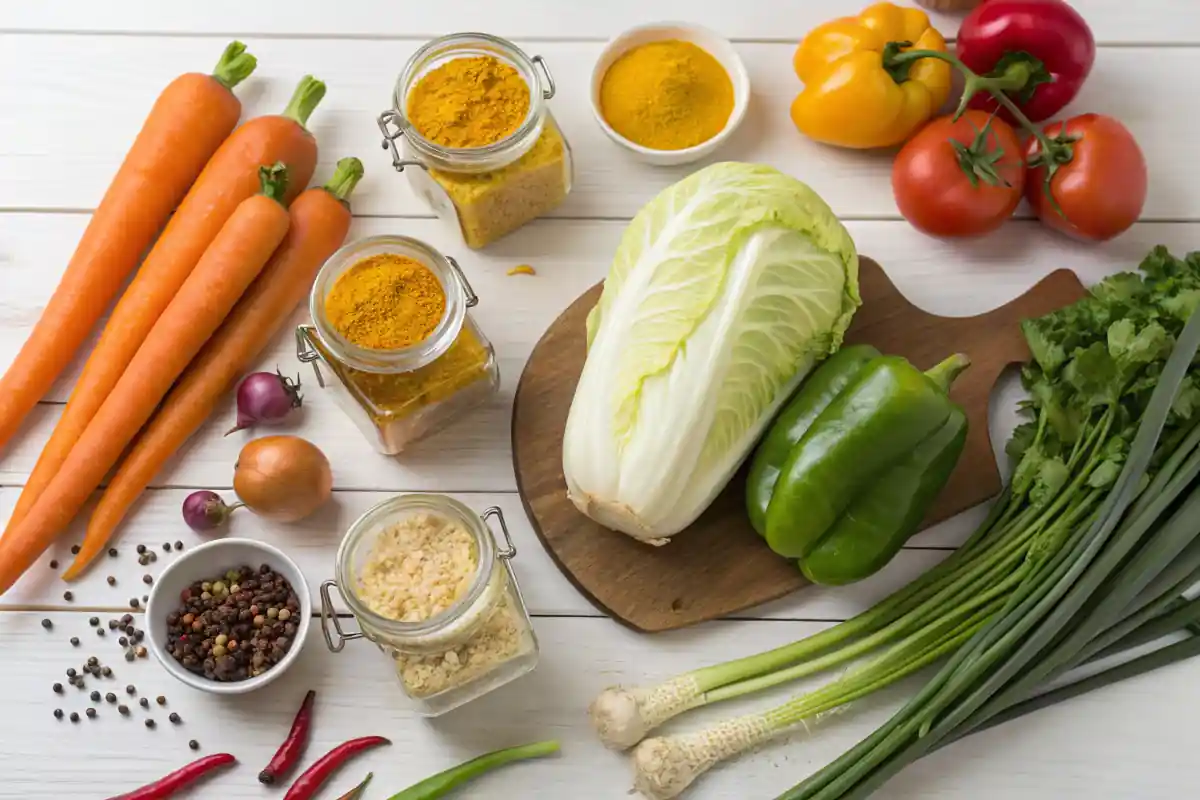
(1101, 190)
(932, 175)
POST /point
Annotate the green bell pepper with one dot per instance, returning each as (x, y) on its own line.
(819, 390)
(879, 420)
(882, 520)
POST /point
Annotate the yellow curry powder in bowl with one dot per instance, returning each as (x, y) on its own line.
(667, 95)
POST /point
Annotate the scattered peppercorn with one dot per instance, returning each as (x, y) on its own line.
(112, 552)
(147, 579)
(126, 619)
(123, 641)
(194, 744)
(68, 596)
(178, 545)
(74, 549)
(58, 713)
(149, 723)
(140, 651)
(112, 581)
(141, 548)
(133, 602)
(58, 688)
(130, 689)
(144, 702)
(74, 716)
(94, 621)
(106, 672)
(143, 560)
(166, 547)
(75, 641)
(99, 631)
(47, 624)
(54, 563)
(95, 696)
(145, 598)
(71, 673)
(112, 624)
(175, 719)
(162, 701)
(153, 556)
(91, 712)
(123, 710)
(129, 655)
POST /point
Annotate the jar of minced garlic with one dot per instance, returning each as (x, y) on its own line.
(479, 143)
(390, 320)
(427, 583)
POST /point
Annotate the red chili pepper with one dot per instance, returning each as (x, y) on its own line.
(293, 746)
(1042, 48)
(308, 783)
(170, 784)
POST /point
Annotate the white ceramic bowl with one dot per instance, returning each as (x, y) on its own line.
(718, 47)
(204, 563)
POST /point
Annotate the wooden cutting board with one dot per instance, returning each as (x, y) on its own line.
(719, 565)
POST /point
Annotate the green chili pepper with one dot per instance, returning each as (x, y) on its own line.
(818, 390)
(438, 785)
(876, 422)
(878, 524)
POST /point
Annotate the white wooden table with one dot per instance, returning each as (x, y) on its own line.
(76, 79)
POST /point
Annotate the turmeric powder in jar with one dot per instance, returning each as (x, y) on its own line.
(473, 114)
(390, 320)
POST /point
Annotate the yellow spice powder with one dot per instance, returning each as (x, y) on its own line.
(469, 102)
(386, 302)
(667, 95)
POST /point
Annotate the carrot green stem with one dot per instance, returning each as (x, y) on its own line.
(308, 95)
(235, 65)
(274, 181)
(346, 176)
(438, 785)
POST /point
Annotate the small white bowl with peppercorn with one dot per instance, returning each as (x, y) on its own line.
(220, 591)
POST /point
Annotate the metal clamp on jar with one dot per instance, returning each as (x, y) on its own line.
(427, 584)
(399, 395)
(491, 187)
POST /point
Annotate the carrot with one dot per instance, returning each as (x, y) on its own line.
(186, 125)
(228, 179)
(320, 221)
(237, 254)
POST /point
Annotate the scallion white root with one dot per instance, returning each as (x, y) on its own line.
(663, 766)
(623, 716)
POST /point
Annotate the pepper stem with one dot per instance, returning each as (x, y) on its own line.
(274, 181)
(234, 66)
(357, 791)
(308, 95)
(944, 373)
(346, 176)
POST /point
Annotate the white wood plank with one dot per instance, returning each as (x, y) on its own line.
(61, 143)
(1146, 21)
(313, 544)
(1070, 752)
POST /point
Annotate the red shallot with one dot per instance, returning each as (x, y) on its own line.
(265, 397)
(204, 510)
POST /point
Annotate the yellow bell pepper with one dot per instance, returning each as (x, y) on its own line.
(850, 99)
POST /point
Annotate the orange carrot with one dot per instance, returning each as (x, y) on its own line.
(187, 124)
(320, 221)
(237, 254)
(230, 177)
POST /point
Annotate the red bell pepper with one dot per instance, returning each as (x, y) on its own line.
(1042, 50)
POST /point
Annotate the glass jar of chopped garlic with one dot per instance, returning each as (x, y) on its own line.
(477, 140)
(428, 584)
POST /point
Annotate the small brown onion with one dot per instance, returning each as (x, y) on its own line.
(284, 478)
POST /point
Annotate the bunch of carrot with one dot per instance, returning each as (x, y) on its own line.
(225, 272)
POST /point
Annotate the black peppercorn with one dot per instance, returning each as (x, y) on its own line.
(91, 712)
(58, 688)
(144, 702)
(68, 596)
(130, 689)
(175, 719)
(71, 673)
(111, 580)
(194, 744)
(147, 579)
(92, 661)
(149, 723)
(127, 618)
(178, 545)
(112, 552)
(133, 602)
(94, 621)
(74, 549)
(106, 672)
(141, 548)
(75, 641)
(110, 697)
(58, 713)
(162, 701)
(122, 641)
(123, 710)
(95, 696)
(54, 565)
(99, 631)
(166, 547)
(74, 716)
(47, 624)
